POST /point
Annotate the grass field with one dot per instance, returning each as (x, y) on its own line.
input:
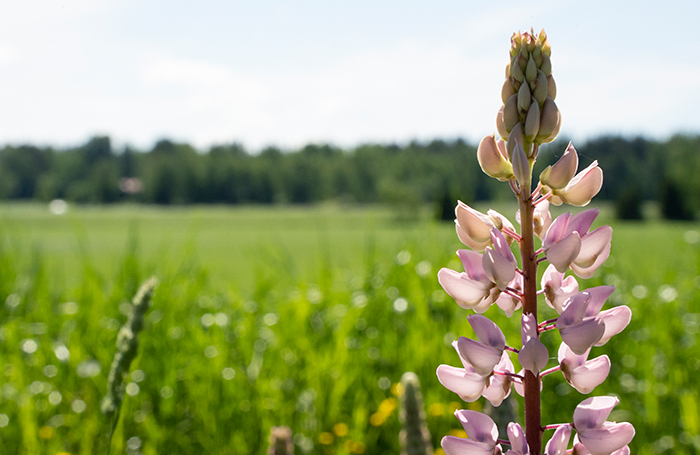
(305, 317)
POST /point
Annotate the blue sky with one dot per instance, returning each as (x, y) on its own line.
(289, 73)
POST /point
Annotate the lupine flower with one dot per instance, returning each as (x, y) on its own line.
(598, 436)
(542, 218)
(465, 382)
(578, 330)
(615, 320)
(557, 289)
(498, 261)
(581, 189)
(560, 174)
(533, 356)
(508, 303)
(484, 354)
(499, 385)
(569, 244)
(482, 435)
(584, 375)
(471, 289)
(580, 449)
(518, 444)
(559, 442)
(474, 227)
(493, 158)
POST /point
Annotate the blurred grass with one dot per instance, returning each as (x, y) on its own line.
(293, 316)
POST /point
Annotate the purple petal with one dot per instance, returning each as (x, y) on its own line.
(592, 412)
(467, 385)
(516, 436)
(499, 385)
(498, 269)
(466, 292)
(615, 320)
(559, 442)
(563, 253)
(569, 359)
(471, 261)
(533, 356)
(599, 295)
(582, 336)
(481, 357)
(460, 446)
(587, 377)
(500, 245)
(487, 331)
(582, 221)
(593, 245)
(609, 438)
(557, 231)
(574, 310)
(478, 426)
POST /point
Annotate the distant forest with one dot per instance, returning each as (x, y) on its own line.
(410, 175)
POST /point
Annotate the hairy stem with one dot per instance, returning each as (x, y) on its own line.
(533, 427)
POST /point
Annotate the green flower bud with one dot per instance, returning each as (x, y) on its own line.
(531, 70)
(546, 65)
(516, 72)
(551, 88)
(549, 119)
(524, 98)
(507, 91)
(510, 113)
(539, 91)
(532, 121)
(515, 137)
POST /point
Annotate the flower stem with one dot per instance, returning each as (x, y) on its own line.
(550, 371)
(533, 427)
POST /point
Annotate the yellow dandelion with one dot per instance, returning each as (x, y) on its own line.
(436, 409)
(377, 419)
(439, 451)
(340, 429)
(397, 389)
(326, 438)
(458, 433)
(387, 406)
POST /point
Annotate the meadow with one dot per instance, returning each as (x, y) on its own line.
(297, 316)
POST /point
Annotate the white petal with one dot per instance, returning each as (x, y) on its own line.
(588, 376)
(609, 438)
(458, 380)
(615, 320)
(471, 243)
(468, 293)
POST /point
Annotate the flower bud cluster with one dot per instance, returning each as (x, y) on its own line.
(492, 275)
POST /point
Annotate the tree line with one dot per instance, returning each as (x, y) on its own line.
(408, 176)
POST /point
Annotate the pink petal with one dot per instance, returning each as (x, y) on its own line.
(556, 289)
(559, 442)
(599, 295)
(557, 231)
(497, 268)
(543, 219)
(609, 438)
(533, 356)
(499, 385)
(592, 412)
(593, 245)
(481, 357)
(471, 261)
(516, 436)
(468, 385)
(487, 331)
(587, 377)
(460, 446)
(564, 169)
(569, 359)
(615, 320)
(574, 310)
(582, 188)
(474, 223)
(582, 336)
(471, 243)
(501, 246)
(589, 271)
(478, 426)
(466, 292)
(563, 253)
(623, 451)
(582, 221)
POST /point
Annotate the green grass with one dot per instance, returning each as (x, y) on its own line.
(298, 305)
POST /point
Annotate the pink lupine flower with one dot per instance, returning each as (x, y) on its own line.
(474, 227)
(518, 444)
(484, 354)
(499, 385)
(557, 289)
(541, 217)
(577, 330)
(584, 375)
(471, 289)
(508, 303)
(493, 158)
(482, 435)
(598, 436)
(560, 174)
(580, 449)
(581, 189)
(559, 442)
(498, 261)
(569, 244)
(533, 356)
(615, 320)
(465, 382)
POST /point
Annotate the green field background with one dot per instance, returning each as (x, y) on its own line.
(298, 316)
